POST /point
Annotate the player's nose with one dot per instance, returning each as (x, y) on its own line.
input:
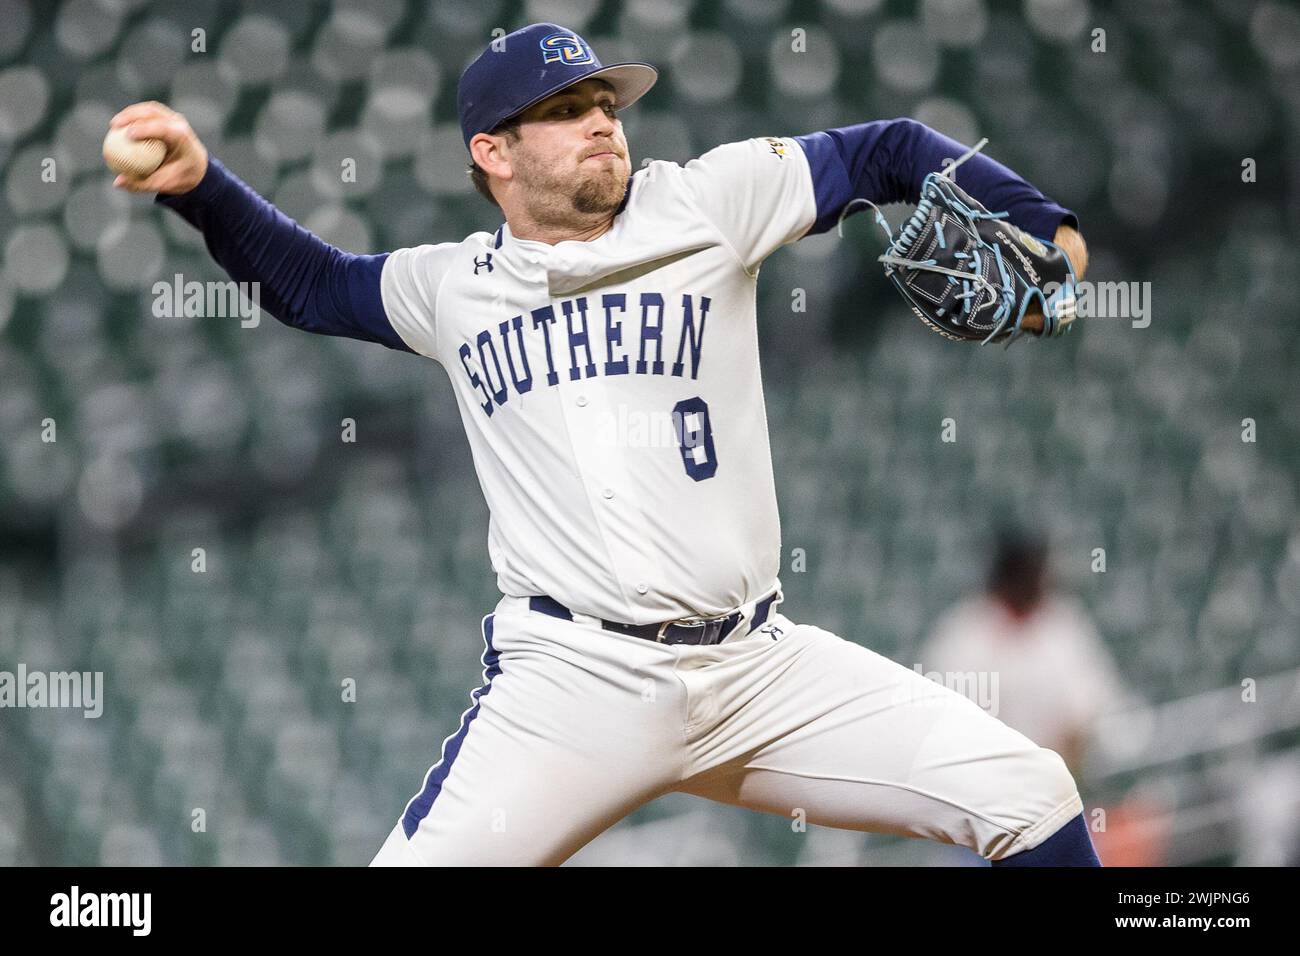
(599, 122)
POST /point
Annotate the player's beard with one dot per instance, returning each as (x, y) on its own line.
(597, 189)
(602, 191)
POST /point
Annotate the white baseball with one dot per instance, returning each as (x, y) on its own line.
(136, 158)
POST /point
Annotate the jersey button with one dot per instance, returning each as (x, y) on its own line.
(608, 492)
(582, 401)
(641, 589)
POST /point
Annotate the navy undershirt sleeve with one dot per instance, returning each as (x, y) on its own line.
(302, 280)
(886, 160)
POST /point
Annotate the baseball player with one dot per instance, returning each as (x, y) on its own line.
(639, 647)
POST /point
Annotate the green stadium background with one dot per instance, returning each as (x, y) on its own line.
(327, 560)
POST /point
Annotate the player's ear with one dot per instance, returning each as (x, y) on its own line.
(490, 153)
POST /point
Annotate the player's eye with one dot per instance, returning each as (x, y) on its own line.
(568, 109)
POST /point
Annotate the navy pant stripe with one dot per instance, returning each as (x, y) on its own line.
(422, 802)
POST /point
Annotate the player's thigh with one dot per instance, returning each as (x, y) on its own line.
(550, 754)
(862, 742)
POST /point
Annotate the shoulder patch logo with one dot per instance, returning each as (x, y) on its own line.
(776, 146)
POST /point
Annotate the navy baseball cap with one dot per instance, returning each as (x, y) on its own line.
(525, 67)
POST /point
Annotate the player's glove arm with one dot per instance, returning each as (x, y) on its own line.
(887, 161)
(302, 280)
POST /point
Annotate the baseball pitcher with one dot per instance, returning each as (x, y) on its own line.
(639, 646)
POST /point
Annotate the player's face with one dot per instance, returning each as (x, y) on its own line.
(572, 151)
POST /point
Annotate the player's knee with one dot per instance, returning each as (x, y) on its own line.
(1046, 797)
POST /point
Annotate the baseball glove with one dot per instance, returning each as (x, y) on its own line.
(969, 274)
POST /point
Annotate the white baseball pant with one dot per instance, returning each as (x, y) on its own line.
(576, 726)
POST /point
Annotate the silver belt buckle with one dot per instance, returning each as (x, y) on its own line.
(663, 628)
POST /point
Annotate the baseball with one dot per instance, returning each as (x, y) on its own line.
(136, 158)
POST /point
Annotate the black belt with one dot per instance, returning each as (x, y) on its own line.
(714, 631)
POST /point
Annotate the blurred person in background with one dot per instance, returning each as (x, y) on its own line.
(1046, 673)
(1054, 676)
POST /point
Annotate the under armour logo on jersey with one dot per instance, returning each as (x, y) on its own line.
(772, 631)
(486, 262)
(565, 48)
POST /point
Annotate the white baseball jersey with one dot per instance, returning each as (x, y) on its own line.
(610, 389)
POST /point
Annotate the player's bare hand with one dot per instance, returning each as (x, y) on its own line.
(186, 159)
(1072, 244)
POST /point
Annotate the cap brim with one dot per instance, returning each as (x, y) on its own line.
(631, 81)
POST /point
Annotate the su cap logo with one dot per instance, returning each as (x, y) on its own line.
(525, 67)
